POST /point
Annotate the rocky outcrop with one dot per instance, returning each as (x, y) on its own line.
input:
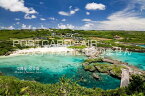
(111, 69)
(90, 68)
(114, 69)
(97, 77)
(85, 64)
(113, 74)
(113, 61)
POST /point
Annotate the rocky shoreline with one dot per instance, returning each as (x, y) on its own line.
(113, 69)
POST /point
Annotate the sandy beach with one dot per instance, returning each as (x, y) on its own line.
(55, 50)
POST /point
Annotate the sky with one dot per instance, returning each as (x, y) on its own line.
(73, 14)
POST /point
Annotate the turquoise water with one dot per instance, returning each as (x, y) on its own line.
(142, 46)
(49, 68)
(134, 58)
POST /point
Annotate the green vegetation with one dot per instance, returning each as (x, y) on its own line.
(91, 60)
(127, 36)
(95, 64)
(111, 43)
(22, 34)
(77, 47)
(111, 69)
(11, 86)
(136, 86)
(6, 47)
(108, 37)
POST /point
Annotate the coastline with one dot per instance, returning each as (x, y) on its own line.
(64, 50)
(58, 50)
(38, 50)
(61, 50)
(90, 66)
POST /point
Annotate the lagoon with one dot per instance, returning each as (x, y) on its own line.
(48, 68)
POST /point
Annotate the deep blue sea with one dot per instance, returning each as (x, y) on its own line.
(50, 68)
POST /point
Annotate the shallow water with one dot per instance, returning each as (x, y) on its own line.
(134, 58)
(49, 68)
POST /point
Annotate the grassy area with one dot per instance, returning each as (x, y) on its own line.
(21, 34)
(11, 86)
(127, 36)
(105, 38)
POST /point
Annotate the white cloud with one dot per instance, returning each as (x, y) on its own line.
(127, 19)
(87, 13)
(18, 23)
(71, 12)
(95, 6)
(10, 27)
(34, 28)
(42, 27)
(87, 26)
(42, 19)
(63, 20)
(67, 26)
(125, 23)
(86, 20)
(16, 6)
(70, 7)
(128, 23)
(26, 26)
(29, 16)
(1, 27)
(52, 18)
(63, 13)
(74, 11)
(140, 4)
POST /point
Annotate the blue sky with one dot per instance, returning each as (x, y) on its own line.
(73, 14)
